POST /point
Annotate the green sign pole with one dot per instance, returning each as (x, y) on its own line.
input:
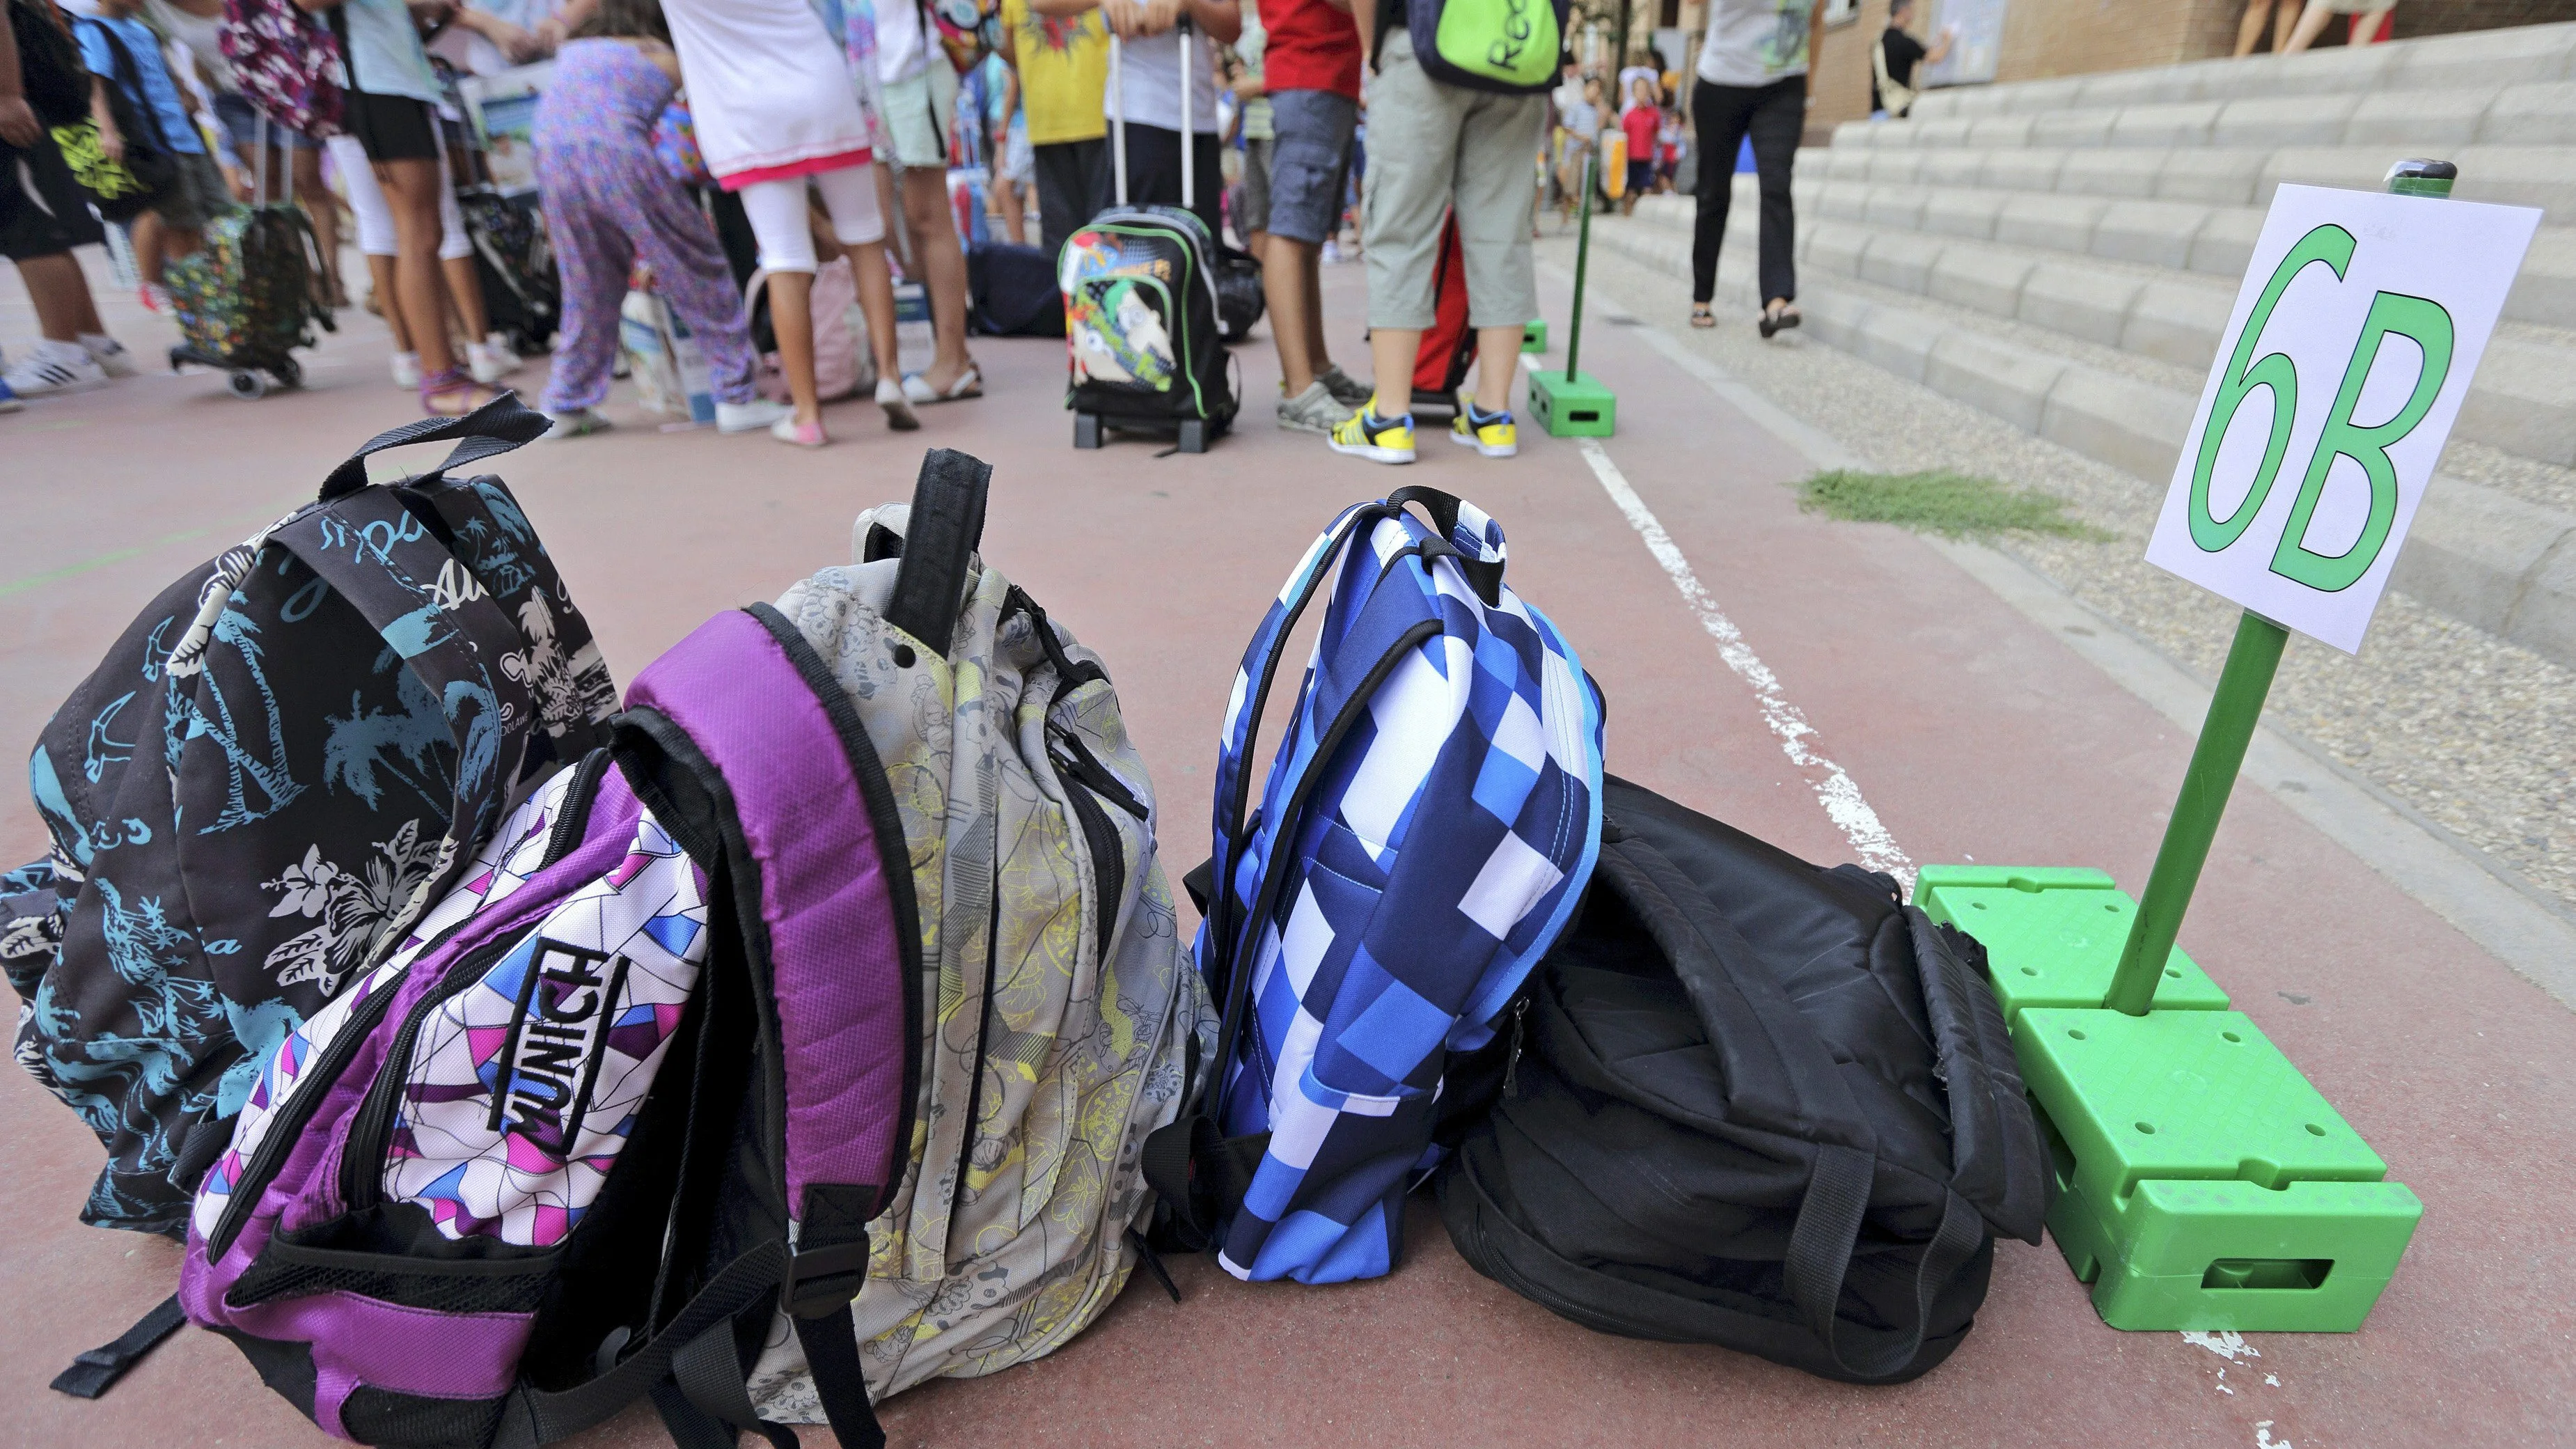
(2234, 709)
(1582, 260)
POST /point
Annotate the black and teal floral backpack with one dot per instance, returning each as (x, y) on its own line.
(284, 757)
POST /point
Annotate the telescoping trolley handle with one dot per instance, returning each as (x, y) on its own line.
(1118, 117)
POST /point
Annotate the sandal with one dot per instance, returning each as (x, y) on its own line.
(1702, 317)
(1779, 321)
(451, 394)
(970, 383)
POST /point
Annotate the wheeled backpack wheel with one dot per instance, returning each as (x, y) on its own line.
(246, 383)
(289, 372)
(1086, 430)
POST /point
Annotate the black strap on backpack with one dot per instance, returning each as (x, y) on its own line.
(494, 428)
(939, 542)
(95, 1372)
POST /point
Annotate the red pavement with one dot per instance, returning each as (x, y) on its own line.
(1971, 731)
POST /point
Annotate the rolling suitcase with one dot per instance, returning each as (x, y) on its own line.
(1146, 351)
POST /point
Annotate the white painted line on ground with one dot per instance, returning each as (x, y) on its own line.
(1835, 790)
(2508, 918)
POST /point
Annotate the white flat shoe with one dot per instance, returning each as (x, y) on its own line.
(751, 416)
(918, 391)
(898, 408)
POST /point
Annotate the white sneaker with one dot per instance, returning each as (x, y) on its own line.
(751, 416)
(407, 371)
(490, 362)
(110, 355)
(579, 422)
(56, 367)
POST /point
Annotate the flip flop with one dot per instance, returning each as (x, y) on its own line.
(1780, 321)
(970, 383)
(1702, 317)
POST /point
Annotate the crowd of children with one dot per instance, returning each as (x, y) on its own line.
(815, 125)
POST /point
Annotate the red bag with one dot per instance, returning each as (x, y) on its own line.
(1449, 344)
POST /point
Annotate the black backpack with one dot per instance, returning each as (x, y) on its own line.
(1752, 1102)
(282, 760)
(1012, 287)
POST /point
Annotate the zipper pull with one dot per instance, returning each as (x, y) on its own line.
(1512, 1063)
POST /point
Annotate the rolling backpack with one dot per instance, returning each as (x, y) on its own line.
(286, 757)
(1752, 1102)
(1141, 310)
(1065, 1023)
(647, 1072)
(245, 298)
(287, 60)
(1428, 823)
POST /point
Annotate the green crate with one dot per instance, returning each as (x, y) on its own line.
(2052, 935)
(1534, 336)
(2203, 1184)
(1572, 407)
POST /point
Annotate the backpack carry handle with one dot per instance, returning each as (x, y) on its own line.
(1484, 575)
(495, 428)
(945, 528)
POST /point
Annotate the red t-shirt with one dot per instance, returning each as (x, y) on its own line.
(1641, 123)
(1311, 47)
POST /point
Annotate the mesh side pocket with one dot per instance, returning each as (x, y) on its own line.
(440, 1284)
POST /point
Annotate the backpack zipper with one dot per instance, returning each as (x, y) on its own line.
(572, 819)
(362, 1159)
(1073, 761)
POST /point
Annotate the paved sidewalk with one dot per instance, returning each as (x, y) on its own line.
(1971, 731)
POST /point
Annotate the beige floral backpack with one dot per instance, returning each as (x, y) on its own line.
(1062, 1005)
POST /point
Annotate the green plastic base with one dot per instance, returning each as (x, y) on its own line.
(1534, 337)
(2052, 935)
(2202, 1182)
(1577, 407)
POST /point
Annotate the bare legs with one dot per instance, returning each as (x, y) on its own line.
(412, 189)
(1291, 276)
(65, 311)
(924, 192)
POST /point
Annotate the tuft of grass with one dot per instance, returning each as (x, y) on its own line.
(1954, 505)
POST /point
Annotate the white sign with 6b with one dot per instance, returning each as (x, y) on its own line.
(2355, 335)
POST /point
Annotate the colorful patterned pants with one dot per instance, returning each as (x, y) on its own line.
(608, 205)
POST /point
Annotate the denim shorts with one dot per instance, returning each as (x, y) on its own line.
(1310, 157)
(241, 122)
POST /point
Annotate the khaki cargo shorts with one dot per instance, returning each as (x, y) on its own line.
(1431, 146)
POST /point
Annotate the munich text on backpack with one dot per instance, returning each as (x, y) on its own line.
(287, 60)
(648, 1070)
(245, 299)
(1752, 1102)
(1063, 1020)
(281, 762)
(1510, 46)
(1141, 310)
(1425, 830)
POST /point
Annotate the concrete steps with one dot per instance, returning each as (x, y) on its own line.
(2477, 58)
(2064, 254)
(2479, 553)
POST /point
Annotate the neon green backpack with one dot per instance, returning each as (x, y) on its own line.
(1510, 46)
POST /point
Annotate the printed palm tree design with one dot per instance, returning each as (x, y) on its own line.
(247, 770)
(112, 1074)
(414, 747)
(351, 910)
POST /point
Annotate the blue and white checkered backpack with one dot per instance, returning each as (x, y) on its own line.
(1424, 834)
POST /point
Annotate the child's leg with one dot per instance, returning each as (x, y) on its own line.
(776, 211)
(593, 255)
(689, 266)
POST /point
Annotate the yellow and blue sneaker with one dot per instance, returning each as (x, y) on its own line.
(1380, 440)
(1491, 434)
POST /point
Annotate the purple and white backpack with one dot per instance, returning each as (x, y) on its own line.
(642, 1078)
(288, 61)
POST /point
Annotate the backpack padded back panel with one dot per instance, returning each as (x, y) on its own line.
(1755, 1103)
